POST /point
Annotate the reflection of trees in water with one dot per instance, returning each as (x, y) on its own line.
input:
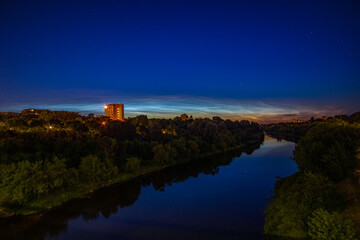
(180, 173)
(106, 201)
(279, 137)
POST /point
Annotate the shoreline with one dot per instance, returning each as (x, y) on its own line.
(57, 200)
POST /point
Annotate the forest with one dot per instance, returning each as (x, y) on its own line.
(52, 157)
(321, 201)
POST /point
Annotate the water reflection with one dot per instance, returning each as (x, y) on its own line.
(105, 202)
(287, 137)
(108, 201)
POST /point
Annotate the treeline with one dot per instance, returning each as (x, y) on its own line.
(294, 131)
(45, 160)
(288, 131)
(321, 201)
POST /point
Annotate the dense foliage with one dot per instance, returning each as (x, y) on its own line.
(289, 131)
(330, 226)
(49, 153)
(22, 181)
(296, 197)
(309, 204)
(330, 149)
(293, 131)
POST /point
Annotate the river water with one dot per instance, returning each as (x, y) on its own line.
(222, 197)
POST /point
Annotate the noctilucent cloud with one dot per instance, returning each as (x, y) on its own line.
(259, 60)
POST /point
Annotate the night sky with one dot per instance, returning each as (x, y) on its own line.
(259, 60)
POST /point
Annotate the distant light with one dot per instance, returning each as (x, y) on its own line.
(103, 123)
(50, 127)
(105, 106)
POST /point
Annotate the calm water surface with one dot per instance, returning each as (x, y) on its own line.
(217, 198)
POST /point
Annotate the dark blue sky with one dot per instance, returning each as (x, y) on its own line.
(299, 57)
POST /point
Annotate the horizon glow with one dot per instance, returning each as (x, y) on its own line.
(258, 60)
(199, 107)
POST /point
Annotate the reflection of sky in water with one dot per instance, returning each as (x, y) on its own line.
(170, 106)
(227, 205)
(273, 147)
(220, 200)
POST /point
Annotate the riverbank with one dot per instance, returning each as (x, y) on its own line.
(54, 200)
(189, 192)
(321, 200)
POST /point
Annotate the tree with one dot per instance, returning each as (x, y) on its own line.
(224, 140)
(92, 169)
(132, 165)
(16, 122)
(111, 168)
(193, 149)
(328, 149)
(77, 126)
(108, 146)
(164, 154)
(296, 197)
(120, 130)
(24, 181)
(56, 169)
(330, 226)
(56, 123)
(93, 125)
(37, 123)
(141, 120)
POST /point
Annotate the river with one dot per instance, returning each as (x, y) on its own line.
(222, 197)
